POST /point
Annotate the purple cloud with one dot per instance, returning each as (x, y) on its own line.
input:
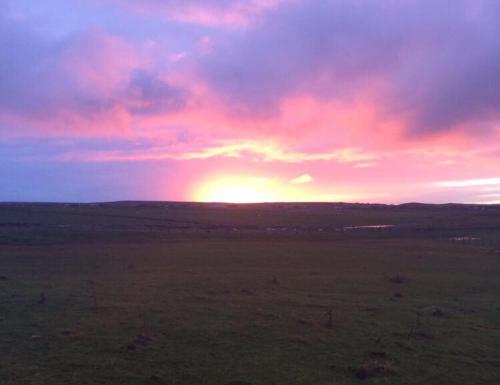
(437, 61)
(149, 94)
(216, 13)
(430, 63)
(77, 79)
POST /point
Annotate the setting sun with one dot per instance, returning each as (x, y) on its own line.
(237, 190)
(251, 189)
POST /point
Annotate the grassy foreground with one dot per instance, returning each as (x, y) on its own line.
(249, 295)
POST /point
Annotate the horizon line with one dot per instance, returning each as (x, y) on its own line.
(246, 203)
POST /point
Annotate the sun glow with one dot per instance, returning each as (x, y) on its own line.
(248, 189)
(238, 190)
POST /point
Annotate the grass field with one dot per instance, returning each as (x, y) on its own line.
(166, 293)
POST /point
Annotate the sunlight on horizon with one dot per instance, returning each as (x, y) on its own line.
(236, 190)
(239, 189)
(251, 189)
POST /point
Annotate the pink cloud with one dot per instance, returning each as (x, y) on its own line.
(99, 63)
(212, 13)
(94, 84)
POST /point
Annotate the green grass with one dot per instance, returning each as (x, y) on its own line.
(246, 307)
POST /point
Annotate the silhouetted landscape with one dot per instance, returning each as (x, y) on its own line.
(249, 294)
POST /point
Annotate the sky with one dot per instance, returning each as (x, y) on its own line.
(250, 100)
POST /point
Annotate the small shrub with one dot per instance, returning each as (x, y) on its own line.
(440, 313)
(329, 320)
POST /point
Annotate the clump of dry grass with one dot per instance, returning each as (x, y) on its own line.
(306, 322)
(93, 294)
(375, 368)
(378, 354)
(440, 313)
(246, 291)
(143, 340)
(397, 278)
(42, 298)
(300, 340)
